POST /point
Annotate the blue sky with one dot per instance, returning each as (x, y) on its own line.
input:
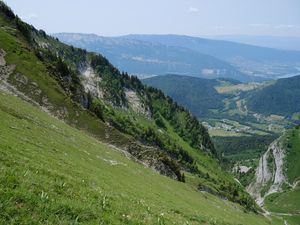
(189, 17)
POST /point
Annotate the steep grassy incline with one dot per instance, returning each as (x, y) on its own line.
(51, 173)
(87, 92)
(287, 202)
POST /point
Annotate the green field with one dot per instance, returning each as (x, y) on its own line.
(226, 87)
(224, 133)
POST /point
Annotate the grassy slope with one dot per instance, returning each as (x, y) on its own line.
(289, 200)
(293, 155)
(19, 53)
(28, 64)
(286, 202)
(52, 173)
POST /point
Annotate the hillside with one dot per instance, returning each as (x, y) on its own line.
(265, 106)
(241, 131)
(276, 183)
(281, 98)
(52, 173)
(85, 92)
(148, 58)
(196, 94)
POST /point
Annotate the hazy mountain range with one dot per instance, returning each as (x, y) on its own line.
(278, 42)
(164, 54)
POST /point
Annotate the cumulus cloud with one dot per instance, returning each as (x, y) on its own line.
(193, 9)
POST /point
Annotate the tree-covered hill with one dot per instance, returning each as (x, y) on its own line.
(282, 98)
(197, 95)
(212, 98)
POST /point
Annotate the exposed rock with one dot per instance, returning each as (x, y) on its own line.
(2, 55)
(91, 81)
(150, 158)
(21, 81)
(21, 78)
(241, 169)
(265, 178)
(113, 162)
(279, 177)
(136, 104)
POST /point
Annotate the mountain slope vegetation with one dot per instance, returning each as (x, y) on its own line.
(196, 94)
(244, 119)
(281, 98)
(52, 173)
(233, 100)
(86, 92)
(277, 187)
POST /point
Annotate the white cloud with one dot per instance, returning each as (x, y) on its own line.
(227, 28)
(193, 9)
(260, 25)
(220, 27)
(31, 16)
(287, 26)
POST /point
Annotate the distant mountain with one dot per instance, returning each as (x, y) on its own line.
(253, 60)
(145, 58)
(284, 43)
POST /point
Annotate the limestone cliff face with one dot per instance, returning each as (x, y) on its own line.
(269, 176)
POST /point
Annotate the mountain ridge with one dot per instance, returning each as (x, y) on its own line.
(150, 58)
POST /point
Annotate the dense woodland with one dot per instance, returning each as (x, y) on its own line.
(281, 98)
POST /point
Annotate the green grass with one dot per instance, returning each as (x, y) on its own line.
(224, 133)
(27, 64)
(51, 173)
(204, 163)
(293, 155)
(226, 87)
(286, 202)
(292, 219)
